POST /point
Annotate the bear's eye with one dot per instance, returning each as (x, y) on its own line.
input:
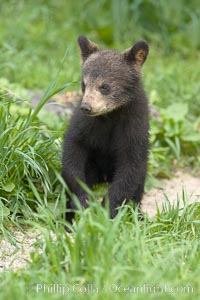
(83, 86)
(104, 89)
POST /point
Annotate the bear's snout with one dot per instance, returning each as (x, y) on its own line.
(86, 108)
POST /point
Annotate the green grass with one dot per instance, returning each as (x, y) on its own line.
(37, 39)
(114, 256)
(35, 34)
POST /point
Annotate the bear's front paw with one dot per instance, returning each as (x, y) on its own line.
(113, 212)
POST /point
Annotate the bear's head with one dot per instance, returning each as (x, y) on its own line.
(110, 79)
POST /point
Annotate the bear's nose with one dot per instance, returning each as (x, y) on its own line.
(86, 108)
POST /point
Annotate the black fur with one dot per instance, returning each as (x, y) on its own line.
(112, 147)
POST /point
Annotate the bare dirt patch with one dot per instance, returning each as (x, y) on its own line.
(18, 255)
(173, 189)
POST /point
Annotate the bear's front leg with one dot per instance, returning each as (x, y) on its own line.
(128, 184)
(73, 169)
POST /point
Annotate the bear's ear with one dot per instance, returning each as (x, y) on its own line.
(87, 47)
(137, 54)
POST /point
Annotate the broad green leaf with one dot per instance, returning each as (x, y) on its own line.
(176, 111)
(4, 212)
(9, 187)
(194, 137)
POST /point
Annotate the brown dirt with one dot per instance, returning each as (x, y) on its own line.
(173, 189)
(17, 256)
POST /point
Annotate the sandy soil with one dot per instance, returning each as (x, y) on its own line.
(173, 189)
(17, 256)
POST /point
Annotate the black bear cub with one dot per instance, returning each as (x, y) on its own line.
(107, 139)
